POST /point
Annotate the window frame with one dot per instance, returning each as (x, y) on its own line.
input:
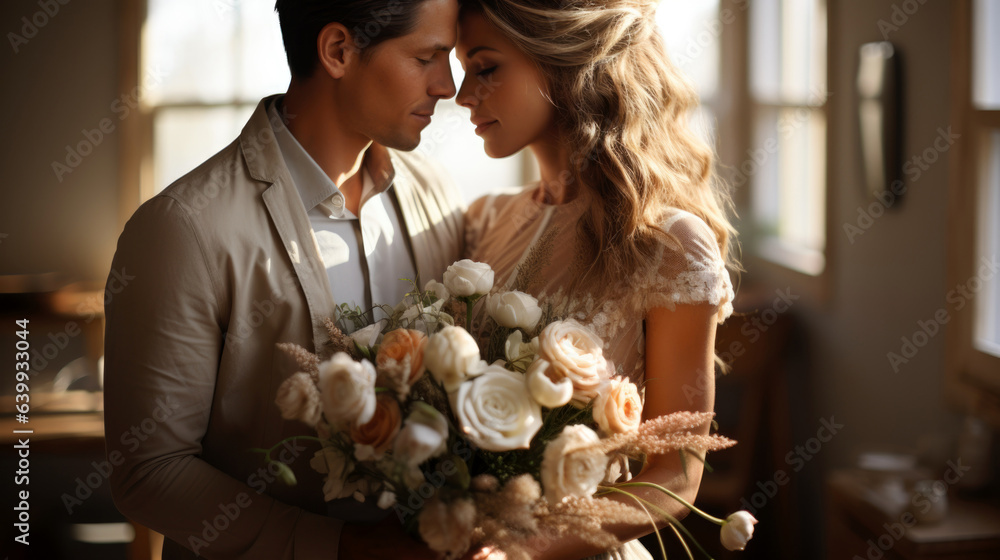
(972, 377)
(764, 270)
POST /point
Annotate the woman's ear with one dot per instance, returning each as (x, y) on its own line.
(336, 49)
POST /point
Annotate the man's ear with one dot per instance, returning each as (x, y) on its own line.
(336, 49)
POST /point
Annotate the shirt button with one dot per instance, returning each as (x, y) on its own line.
(337, 201)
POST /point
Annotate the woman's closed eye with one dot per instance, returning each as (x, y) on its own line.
(487, 71)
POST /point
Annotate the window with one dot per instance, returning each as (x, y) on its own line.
(785, 166)
(208, 64)
(973, 360)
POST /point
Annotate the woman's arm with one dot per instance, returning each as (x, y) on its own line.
(680, 376)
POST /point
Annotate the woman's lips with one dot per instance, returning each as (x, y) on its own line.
(482, 127)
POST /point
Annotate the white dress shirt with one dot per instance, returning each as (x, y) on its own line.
(365, 257)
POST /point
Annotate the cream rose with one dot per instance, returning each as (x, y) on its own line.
(424, 435)
(496, 412)
(468, 278)
(618, 407)
(549, 392)
(514, 310)
(576, 354)
(572, 465)
(373, 438)
(347, 390)
(400, 344)
(298, 399)
(452, 355)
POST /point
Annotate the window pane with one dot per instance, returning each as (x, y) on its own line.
(986, 54)
(193, 45)
(788, 51)
(691, 33)
(988, 247)
(263, 67)
(185, 137)
(787, 167)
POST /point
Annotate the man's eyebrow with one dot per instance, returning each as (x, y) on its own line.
(474, 50)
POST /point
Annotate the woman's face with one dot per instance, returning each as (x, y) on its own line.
(502, 87)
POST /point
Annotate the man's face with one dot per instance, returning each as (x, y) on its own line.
(392, 93)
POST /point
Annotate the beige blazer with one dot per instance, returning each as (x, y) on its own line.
(218, 268)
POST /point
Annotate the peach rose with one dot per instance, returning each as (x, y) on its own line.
(618, 407)
(575, 353)
(372, 439)
(402, 343)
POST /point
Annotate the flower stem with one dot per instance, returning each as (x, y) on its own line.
(673, 495)
(666, 515)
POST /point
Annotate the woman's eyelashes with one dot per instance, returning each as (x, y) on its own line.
(487, 71)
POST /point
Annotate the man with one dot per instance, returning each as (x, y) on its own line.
(307, 209)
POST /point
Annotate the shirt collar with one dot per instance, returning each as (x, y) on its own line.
(311, 182)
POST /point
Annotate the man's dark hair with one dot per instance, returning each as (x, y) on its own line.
(369, 21)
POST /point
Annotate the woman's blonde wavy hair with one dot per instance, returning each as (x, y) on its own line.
(623, 107)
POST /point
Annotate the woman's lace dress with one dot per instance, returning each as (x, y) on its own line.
(536, 248)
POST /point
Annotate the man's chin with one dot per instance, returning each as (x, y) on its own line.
(401, 142)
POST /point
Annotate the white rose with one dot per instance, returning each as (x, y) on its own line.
(439, 290)
(618, 407)
(347, 390)
(424, 435)
(298, 399)
(550, 393)
(514, 310)
(737, 530)
(572, 465)
(452, 355)
(575, 353)
(496, 412)
(467, 278)
(331, 462)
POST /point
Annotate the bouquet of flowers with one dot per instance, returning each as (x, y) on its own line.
(524, 436)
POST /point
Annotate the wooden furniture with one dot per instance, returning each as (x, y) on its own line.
(861, 523)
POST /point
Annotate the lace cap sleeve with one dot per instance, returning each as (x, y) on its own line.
(693, 272)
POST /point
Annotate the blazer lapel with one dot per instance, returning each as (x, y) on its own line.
(264, 163)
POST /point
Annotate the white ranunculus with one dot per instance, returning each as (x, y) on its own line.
(575, 353)
(618, 407)
(452, 356)
(572, 465)
(514, 310)
(737, 530)
(332, 462)
(386, 499)
(424, 435)
(468, 278)
(368, 336)
(548, 392)
(439, 290)
(347, 390)
(298, 399)
(496, 411)
(516, 349)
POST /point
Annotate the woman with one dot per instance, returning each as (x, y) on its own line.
(625, 231)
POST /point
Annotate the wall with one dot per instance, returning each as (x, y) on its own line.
(59, 83)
